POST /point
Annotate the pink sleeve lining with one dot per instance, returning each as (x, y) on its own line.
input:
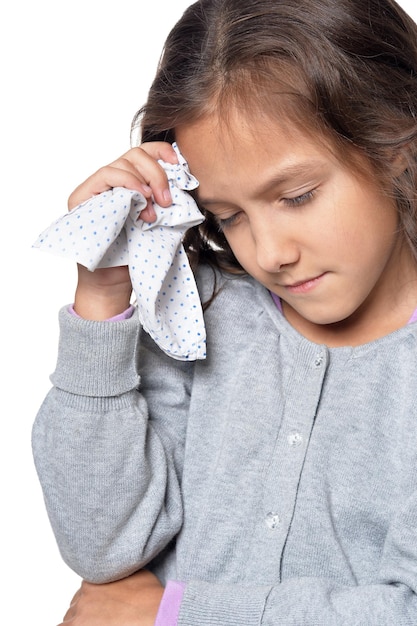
(116, 318)
(169, 608)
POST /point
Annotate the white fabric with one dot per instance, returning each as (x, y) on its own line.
(106, 231)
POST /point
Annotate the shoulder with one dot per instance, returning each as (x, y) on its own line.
(214, 285)
(231, 300)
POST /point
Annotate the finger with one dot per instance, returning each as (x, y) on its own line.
(71, 612)
(106, 178)
(149, 170)
(160, 150)
(148, 214)
(68, 617)
(136, 169)
(75, 598)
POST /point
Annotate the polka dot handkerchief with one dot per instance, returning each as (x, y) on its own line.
(106, 231)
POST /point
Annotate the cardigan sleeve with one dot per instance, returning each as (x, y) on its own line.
(110, 470)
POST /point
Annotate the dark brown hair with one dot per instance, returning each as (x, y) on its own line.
(344, 70)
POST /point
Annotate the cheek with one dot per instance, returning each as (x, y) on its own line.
(240, 251)
(243, 247)
(244, 251)
(341, 229)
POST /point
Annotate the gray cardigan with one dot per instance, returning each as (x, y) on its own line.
(277, 478)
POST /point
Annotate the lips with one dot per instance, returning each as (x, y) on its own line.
(304, 286)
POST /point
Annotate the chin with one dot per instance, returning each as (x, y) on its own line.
(326, 317)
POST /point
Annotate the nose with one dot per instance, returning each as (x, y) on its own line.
(275, 249)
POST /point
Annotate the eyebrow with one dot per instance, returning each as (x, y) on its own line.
(283, 177)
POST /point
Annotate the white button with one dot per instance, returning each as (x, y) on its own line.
(319, 360)
(272, 521)
(294, 438)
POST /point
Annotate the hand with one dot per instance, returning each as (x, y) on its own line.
(136, 169)
(132, 601)
(106, 292)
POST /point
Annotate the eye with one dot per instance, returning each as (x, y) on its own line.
(224, 222)
(227, 222)
(300, 200)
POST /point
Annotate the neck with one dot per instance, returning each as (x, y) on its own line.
(387, 309)
(351, 331)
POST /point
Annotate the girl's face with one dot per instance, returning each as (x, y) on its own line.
(313, 232)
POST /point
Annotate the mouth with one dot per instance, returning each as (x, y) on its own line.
(304, 286)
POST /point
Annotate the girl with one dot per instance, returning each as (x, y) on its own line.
(273, 482)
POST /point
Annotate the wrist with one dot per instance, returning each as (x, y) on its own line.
(100, 306)
(102, 294)
(98, 311)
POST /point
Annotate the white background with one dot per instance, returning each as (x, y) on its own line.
(73, 74)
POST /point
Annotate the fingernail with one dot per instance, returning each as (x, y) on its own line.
(167, 195)
(146, 188)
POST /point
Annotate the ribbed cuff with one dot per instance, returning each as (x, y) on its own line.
(222, 605)
(96, 358)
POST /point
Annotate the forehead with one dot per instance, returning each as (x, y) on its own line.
(236, 129)
(244, 148)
